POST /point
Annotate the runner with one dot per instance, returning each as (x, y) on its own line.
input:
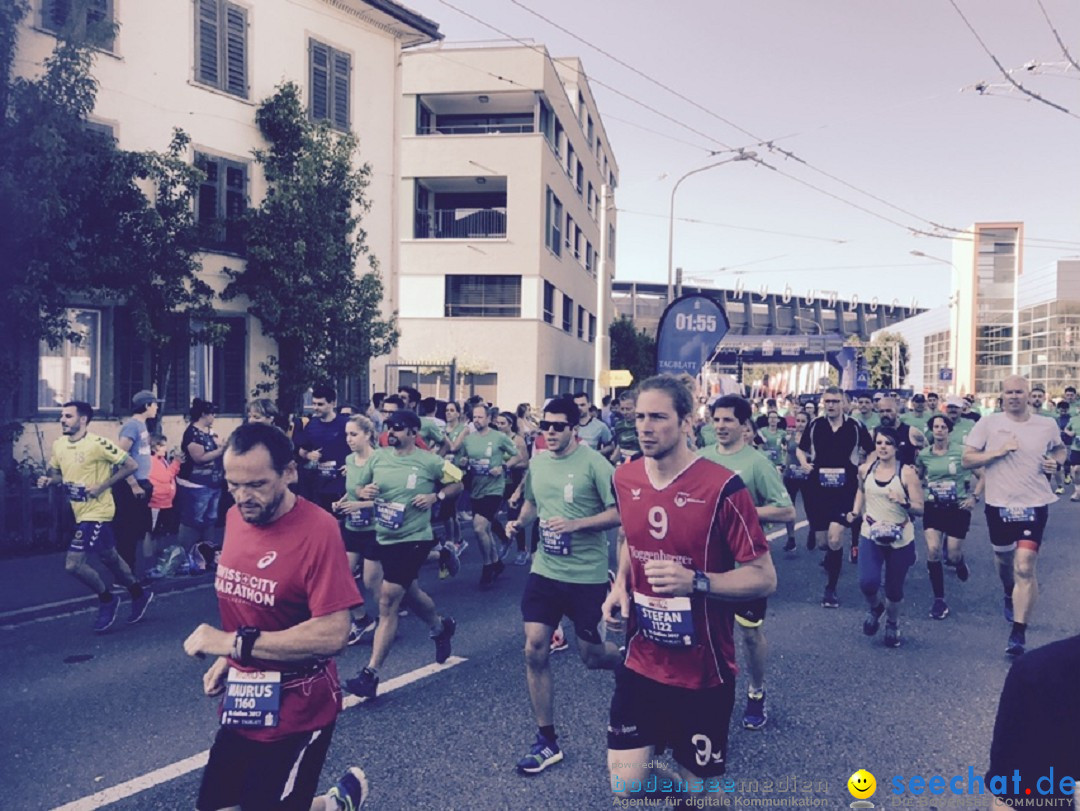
(284, 592)
(1072, 433)
(1063, 476)
(569, 489)
(951, 495)
(592, 431)
(918, 416)
(487, 454)
(405, 483)
(84, 464)
(447, 515)
(864, 411)
(322, 445)
(358, 524)
(625, 430)
(688, 521)
(732, 414)
(795, 479)
(1017, 450)
(507, 423)
(829, 452)
(888, 497)
(961, 425)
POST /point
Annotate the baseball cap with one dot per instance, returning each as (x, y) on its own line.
(143, 398)
(403, 419)
(918, 398)
(953, 400)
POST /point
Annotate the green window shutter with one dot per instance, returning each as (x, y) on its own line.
(319, 57)
(236, 50)
(341, 64)
(206, 43)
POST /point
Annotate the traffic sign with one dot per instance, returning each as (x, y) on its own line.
(945, 374)
(615, 378)
(862, 379)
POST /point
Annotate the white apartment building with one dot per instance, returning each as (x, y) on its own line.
(204, 66)
(507, 226)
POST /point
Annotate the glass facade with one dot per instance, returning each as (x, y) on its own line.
(995, 279)
(936, 356)
(1050, 345)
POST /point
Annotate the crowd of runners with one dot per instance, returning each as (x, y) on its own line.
(643, 519)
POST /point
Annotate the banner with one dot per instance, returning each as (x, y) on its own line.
(688, 334)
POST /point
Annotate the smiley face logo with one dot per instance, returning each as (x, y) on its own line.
(862, 784)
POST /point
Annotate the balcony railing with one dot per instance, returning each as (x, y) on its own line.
(461, 223)
(473, 129)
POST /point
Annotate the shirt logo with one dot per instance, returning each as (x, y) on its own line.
(635, 493)
(267, 559)
(682, 499)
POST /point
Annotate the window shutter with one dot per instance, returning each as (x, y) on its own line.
(341, 62)
(236, 50)
(320, 80)
(206, 42)
(54, 14)
(231, 387)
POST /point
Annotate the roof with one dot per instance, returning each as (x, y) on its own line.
(409, 26)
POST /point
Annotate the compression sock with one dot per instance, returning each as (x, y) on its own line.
(548, 732)
(834, 561)
(937, 578)
(1019, 629)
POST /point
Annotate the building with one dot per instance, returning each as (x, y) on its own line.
(204, 66)
(507, 244)
(1007, 320)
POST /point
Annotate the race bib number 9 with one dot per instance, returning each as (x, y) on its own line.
(667, 621)
(1017, 515)
(555, 543)
(832, 476)
(75, 492)
(943, 492)
(251, 699)
(390, 514)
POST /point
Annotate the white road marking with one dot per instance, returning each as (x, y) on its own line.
(182, 767)
(780, 533)
(122, 592)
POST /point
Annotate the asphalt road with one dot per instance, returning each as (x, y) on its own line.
(82, 713)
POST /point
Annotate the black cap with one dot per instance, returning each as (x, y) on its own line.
(918, 398)
(403, 419)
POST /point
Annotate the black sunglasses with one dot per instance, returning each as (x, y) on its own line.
(547, 425)
(396, 426)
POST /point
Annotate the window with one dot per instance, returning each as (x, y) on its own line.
(222, 202)
(570, 236)
(580, 108)
(549, 386)
(611, 241)
(553, 224)
(329, 78)
(72, 370)
(590, 256)
(580, 321)
(567, 314)
(579, 178)
(592, 330)
(549, 303)
(548, 122)
(571, 161)
(483, 296)
(219, 373)
(560, 136)
(589, 131)
(425, 119)
(221, 46)
(579, 240)
(96, 27)
(591, 199)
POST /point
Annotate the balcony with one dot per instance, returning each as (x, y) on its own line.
(476, 114)
(461, 223)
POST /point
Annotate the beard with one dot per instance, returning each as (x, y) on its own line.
(265, 514)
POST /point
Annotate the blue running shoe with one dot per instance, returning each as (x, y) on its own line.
(351, 790)
(442, 640)
(544, 753)
(106, 615)
(755, 715)
(139, 606)
(1015, 646)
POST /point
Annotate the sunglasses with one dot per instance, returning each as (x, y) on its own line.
(396, 426)
(547, 425)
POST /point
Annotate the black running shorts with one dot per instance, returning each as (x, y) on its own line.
(953, 521)
(547, 601)
(401, 562)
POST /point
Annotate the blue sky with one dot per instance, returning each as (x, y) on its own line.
(879, 95)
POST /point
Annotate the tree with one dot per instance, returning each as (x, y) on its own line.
(304, 243)
(632, 349)
(879, 360)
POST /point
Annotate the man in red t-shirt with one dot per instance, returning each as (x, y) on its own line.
(284, 591)
(688, 522)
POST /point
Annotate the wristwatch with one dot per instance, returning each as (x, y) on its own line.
(701, 582)
(441, 496)
(245, 643)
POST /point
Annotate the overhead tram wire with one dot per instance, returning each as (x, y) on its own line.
(1057, 36)
(625, 211)
(759, 141)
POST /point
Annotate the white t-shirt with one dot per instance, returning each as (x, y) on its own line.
(1016, 479)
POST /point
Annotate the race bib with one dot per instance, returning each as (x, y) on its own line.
(251, 699)
(480, 467)
(832, 476)
(555, 543)
(944, 491)
(667, 621)
(76, 492)
(1017, 515)
(359, 520)
(773, 454)
(885, 533)
(327, 470)
(795, 472)
(390, 514)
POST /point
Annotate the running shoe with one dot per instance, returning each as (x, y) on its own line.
(462, 545)
(1008, 609)
(892, 635)
(497, 568)
(448, 560)
(962, 571)
(442, 640)
(522, 558)
(790, 545)
(1068, 479)
(830, 600)
(504, 549)
(558, 641)
(364, 685)
(486, 576)
(139, 606)
(1058, 491)
(755, 716)
(106, 615)
(873, 620)
(351, 790)
(939, 610)
(1015, 646)
(362, 631)
(544, 753)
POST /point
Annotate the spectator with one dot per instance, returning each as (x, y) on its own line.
(201, 479)
(163, 473)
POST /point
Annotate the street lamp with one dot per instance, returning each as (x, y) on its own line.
(740, 156)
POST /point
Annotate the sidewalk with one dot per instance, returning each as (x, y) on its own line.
(38, 586)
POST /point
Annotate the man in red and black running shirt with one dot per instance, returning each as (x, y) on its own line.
(688, 522)
(284, 590)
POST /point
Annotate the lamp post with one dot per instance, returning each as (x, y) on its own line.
(954, 317)
(740, 156)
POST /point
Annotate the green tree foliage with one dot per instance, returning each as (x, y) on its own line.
(879, 360)
(304, 243)
(632, 349)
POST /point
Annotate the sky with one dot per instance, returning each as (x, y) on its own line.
(876, 100)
